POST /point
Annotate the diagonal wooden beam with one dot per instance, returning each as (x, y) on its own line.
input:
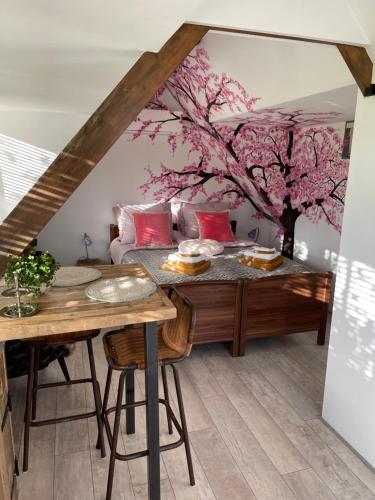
(360, 66)
(93, 141)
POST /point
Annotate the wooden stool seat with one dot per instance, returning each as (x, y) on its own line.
(64, 338)
(125, 348)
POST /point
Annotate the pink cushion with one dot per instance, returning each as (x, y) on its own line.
(214, 226)
(125, 221)
(190, 224)
(152, 229)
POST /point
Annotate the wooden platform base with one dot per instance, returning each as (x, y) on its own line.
(262, 264)
(190, 270)
(240, 310)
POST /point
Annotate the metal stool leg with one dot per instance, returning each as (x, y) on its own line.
(105, 400)
(63, 367)
(183, 424)
(35, 382)
(116, 429)
(96, 389)
(130, 412)
(107, 388)
(29, 394)
(166, 396)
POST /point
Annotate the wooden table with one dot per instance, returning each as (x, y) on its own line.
(89, 262)
(68, 309)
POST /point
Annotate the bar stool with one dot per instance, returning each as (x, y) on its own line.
(33, 386)
(124, 350)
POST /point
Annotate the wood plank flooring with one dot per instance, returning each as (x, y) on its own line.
(254, 422)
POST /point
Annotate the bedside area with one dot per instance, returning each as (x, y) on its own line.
(90, 262)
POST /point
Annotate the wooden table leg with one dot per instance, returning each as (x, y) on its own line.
(152, 410)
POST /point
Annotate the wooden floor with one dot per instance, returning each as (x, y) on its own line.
(254, 428)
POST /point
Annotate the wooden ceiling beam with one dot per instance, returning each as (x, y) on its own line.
(93, 141)
(266, 35)
(360, 66)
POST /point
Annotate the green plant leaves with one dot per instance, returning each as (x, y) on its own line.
(34, 269)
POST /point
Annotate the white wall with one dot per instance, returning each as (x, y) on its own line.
(277, 71)
(21, 164)
(317, 244)
(29, 142)
(349, 399)
(364, 13)
(48, 130)
(318, 19)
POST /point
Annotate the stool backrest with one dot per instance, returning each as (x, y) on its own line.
(178, 332)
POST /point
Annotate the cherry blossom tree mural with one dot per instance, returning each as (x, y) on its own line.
(280, 162)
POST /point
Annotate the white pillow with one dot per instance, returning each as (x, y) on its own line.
(125, 221)
(207, 247)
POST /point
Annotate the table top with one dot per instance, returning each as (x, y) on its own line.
(89, 262)
(68, 309)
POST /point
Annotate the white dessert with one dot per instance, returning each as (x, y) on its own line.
(186, 259)
(261, 253)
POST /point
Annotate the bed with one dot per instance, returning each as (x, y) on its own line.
(236, 303)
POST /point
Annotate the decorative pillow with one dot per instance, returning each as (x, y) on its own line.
(125, 221)
(206, 247)
(152, 229)
(190, 224)
(214, 226)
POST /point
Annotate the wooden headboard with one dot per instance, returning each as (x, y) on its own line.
(114, 232)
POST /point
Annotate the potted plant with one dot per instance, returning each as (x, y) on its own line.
(35, 270)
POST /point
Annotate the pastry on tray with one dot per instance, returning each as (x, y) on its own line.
(186, 263)
(263, 258)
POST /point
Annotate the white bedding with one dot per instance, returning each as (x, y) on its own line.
(117, 250)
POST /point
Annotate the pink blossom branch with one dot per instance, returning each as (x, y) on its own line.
(283, 171)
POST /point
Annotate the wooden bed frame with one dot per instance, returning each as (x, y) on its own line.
(243, 309)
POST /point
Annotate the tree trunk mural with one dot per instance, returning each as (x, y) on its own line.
(288, 220)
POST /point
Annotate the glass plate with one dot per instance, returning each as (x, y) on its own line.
(123, 289)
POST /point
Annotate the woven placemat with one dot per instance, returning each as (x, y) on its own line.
(124, 289)
(75, 275)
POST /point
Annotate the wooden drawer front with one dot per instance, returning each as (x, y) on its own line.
(217, 309)
(3, 382)
(6, 434)
(6, 458)
(285, 304)
(281, 322)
